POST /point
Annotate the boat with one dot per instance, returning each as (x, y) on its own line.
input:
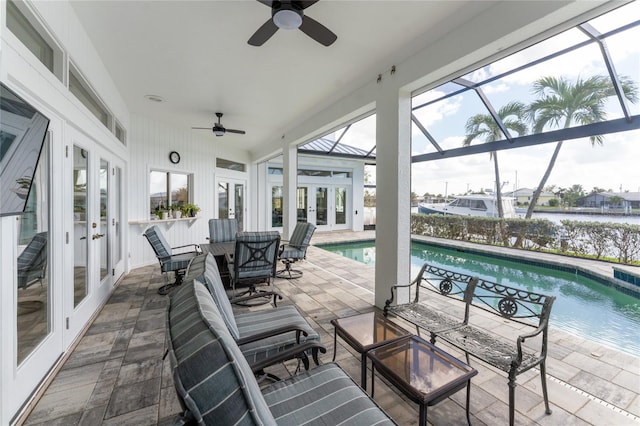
(471, 205)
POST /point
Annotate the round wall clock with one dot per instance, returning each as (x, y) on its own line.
(174, 157)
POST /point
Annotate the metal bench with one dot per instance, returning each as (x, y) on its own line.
(526, 308)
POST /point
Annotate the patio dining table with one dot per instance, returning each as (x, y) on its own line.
(220, 251)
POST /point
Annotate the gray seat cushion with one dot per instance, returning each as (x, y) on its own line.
(252, 323)
(325, 395)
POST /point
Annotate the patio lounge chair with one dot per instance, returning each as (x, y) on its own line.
(254, 261)
(216, 386)
(222, 230)
(295, 249)
(168, 260)
(32, 262)
(265, 337)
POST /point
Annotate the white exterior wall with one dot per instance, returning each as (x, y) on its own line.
(24, 74)
(151, 142)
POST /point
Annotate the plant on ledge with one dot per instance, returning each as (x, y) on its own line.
(190, 210)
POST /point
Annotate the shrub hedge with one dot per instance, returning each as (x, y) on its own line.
(608, 241)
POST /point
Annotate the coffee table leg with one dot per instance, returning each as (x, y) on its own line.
(363, 370)
(468, 400)
(423, 415)
(335, 341)
(373, 377)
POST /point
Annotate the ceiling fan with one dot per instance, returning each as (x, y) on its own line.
(218, 129)
(289, 15)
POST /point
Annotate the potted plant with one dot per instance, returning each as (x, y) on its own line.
(177, 211)
(190, 210)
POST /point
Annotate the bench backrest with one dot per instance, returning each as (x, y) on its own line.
(446, 283)
(518, 305)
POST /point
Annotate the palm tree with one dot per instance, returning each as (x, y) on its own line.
(562, 103)
(483, 126)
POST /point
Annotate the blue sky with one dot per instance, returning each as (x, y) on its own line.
(613, 165)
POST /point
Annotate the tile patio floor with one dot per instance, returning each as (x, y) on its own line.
(116, 374)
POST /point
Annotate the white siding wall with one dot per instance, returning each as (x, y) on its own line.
(150, 144)
(23, 73)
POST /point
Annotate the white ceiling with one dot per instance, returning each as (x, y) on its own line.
(195, 55)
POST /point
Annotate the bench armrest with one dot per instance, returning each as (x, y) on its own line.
(521, 338)
(273, 332)
(389, 301)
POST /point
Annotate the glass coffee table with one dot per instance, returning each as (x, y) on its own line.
(422, 372)
(365, 332)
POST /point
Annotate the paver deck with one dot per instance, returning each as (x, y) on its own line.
(116, 374)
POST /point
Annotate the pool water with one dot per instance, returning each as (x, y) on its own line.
(583, 307)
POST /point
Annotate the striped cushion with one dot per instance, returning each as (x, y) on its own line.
(299, 241)
(160, 245)
(212, 377)
(255, 255)
(302, 233)
(256, 322)
(322, 396)
(222, 230)
(216, 288)
(177, 262)
(292, 253)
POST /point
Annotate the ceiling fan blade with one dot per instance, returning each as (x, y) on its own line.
(240, 132)
(306, 3)
(266, 2)
(263, 34)
(202, 128)
(317, 31)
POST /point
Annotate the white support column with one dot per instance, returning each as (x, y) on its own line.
(393, 191)
(290, 186)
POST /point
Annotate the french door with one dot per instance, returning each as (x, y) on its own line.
(97, 259)
(231, 200)
(328, 207)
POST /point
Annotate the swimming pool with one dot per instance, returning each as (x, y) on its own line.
(583, 306)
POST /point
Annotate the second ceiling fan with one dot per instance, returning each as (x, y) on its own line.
(218, 129)
(289, 15)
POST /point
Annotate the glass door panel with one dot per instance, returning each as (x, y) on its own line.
(80, 224)
(117, 219)
(34, 290)
(101, 231)
(239, 205)
(116, 225)
(341, 206)
(322, 207)
(302, 204)
(223, 200)
(276, 206)
(231, 200)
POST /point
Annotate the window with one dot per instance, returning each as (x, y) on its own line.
(167, 189)
(81, 91)
(28, 35)
(120, 133)
(231, 165)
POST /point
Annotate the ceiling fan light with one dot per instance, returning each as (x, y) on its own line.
(287, 19)
(218, 131)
